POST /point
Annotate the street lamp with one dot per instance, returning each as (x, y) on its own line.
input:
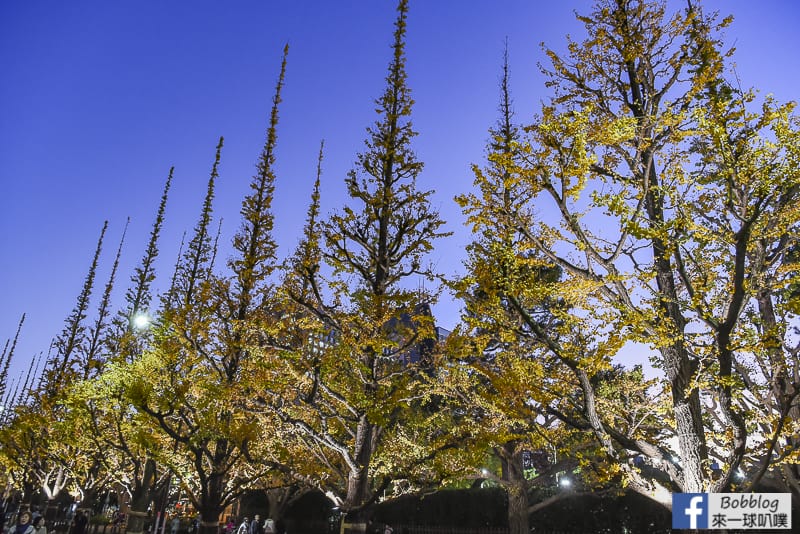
(141, 321)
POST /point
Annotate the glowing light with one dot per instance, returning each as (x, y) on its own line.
(141, 321)
(565, 482)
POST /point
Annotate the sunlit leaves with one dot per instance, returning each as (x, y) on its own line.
(669, 205)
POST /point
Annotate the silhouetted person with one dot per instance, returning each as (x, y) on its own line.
(79, 523)
(244, 527)
(255, 525)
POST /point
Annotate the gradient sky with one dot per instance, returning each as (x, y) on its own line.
(98, 99)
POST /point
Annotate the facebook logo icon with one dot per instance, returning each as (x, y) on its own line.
(689, 510)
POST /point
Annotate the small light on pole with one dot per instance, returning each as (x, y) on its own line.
(565, 482)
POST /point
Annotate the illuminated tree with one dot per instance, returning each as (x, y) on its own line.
(69, 363)
(348, 390)
(673, 210)
(126, 439)
(46, 410)
(498, 368)
(190, 381)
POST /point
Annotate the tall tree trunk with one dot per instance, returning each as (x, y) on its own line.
(50, 510)
(209, 519)
(678, 366)
(679, 369)
(140, 500)
(89, 500)
(514, 483)
(357, 482)
(358, 478)
(213, 491)
(280, 499)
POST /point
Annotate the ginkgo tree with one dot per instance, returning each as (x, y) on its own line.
(185, 381)
(128, 441)
(188, 381)
(498, 363)
(70, 461)
(345, 386)
(668, 202)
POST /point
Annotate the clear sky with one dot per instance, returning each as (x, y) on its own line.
(98, 99)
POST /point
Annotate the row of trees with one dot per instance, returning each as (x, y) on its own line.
(651, 203)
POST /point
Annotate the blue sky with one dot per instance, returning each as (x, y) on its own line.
(100, 98)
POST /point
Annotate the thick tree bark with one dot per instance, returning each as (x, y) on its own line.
(214, 480)
(212, 496)
(358, 478)
(279, 500)
(140, 500)
(516, 489)
(211, 506)
(209, 520)
(89, 501)
(678, 366)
